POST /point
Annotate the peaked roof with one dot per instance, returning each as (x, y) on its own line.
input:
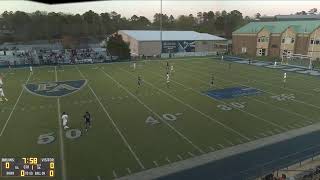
(280, 26)
(150, 35)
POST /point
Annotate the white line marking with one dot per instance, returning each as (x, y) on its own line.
(211, 148)
(61, 142)
(179, 157)
(155, 163)
(263, 134)
(256, 137)
(191, 107)
(14, 107)
(221, 145)
(98, 177)
(297, 114)
(191, 154)
(114, 174)
(129, 171)
(156, 114)
(167, 159)
(229, 142)
(114, 124)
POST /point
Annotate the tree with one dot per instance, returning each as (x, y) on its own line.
(257, 15)
(117, 47)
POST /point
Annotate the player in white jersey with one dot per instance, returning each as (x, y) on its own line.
(168, 79)
(284, 79)
(65, 118)
(1, 82)
(3, 97)
(134, 66)
(222, 58)
(30, 69)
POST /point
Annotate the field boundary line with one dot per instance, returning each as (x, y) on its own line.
(14, 107)
(279, 108)
(194, 109)
(266, 82)
(268, 92)
(210, 157)
(62, 155)
(156, 114)
(250, 114)
(114, 124)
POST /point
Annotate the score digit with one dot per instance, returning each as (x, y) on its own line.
(7, 165)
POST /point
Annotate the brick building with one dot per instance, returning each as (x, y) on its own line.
(278, 38)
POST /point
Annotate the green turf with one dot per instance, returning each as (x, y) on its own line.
(126, 143)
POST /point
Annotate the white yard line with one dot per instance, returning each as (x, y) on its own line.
(98, 177)
(197, 110)
(282, 109)
(156, 114)
(61, 142)
(268, 92)
(114, 125)
(155, 163)
(14, 107)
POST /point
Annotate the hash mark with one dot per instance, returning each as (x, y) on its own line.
(129, 171)
(168, 160)
(221, 145)
(114, 174)
(191, 154)
(179, 157)
(155, 163)
(211, 148)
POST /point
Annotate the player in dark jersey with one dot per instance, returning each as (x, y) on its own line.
(139, 81)
(167, 66)
(212, 80)
(87, 120)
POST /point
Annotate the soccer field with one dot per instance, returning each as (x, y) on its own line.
(139, 128)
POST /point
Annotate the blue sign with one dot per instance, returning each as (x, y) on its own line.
(234, 92)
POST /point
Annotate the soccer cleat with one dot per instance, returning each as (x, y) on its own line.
(65, 127)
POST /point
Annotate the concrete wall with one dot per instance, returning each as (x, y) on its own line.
(149, 48)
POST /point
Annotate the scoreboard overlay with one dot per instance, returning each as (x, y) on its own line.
(27, 167)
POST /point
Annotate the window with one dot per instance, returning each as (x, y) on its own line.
(282, 41)
(274, 46)
(243, 49)
(292, 40)
(259, 40)
(204, 42)
(317, 41)
(311, 41)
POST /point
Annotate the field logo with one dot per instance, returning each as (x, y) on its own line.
(228, 93)
(55, 89)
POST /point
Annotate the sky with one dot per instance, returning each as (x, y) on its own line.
(177, 7)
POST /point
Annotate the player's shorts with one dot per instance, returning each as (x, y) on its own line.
(88, 121)
(1, 93)
(284, 80)
(64, 122)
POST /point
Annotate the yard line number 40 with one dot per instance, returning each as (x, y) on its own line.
(168, 117)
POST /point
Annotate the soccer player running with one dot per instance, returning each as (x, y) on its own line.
(284, 79)
(134, 66)
(139, 81)
(168, 79)
(212, 81)
(87, 120)
(65, 118)
(167, 66)
(30, 69)
(3, 97)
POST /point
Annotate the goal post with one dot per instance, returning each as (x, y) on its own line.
(299, 60)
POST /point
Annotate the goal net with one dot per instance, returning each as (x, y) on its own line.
(298, 60)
